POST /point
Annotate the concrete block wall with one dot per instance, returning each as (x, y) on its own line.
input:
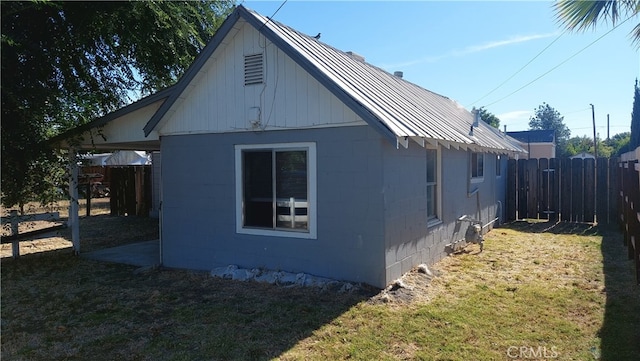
(409, 240)
(199, 230)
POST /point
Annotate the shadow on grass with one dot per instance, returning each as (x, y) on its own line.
(104, 231)
(620, 331)
(56, 306)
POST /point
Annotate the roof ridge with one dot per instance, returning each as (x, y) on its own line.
(345, 53)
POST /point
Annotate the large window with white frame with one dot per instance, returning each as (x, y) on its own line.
(477, 167)
(433, 203)
(276, 189)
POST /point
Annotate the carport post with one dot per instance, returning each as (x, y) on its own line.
(74, 220)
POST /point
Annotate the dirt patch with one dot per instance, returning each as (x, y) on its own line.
(98, 231)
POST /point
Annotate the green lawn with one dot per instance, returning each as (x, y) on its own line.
(567, 293)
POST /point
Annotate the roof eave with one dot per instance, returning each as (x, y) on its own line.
(144, 102)
(198, 63)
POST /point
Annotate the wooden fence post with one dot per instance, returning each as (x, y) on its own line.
(15, 245)
(589, 167)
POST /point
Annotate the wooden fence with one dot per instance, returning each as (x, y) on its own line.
(130, 188)
(629, 205)
(563, 189)
(14, 220)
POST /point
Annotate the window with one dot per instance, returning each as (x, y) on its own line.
(498, 166)
(477, 166)
(275, 189)
(432, 185)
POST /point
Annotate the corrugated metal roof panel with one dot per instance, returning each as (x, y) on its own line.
(406, 109)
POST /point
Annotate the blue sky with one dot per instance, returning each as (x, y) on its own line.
(465, 50)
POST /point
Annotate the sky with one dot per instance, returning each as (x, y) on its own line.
(508, 56)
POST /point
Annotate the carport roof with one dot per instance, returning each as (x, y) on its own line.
(73, 137)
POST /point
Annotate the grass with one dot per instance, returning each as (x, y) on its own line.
(565, 292)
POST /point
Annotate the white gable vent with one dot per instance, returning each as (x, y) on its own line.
(253, 69)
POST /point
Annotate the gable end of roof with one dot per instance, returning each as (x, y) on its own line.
(188, 76)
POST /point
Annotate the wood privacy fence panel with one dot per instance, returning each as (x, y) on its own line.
(629, 209)
(131, 189)
(573, 190)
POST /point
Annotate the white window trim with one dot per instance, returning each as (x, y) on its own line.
(438, 219)
(312, 201)
(475, 180)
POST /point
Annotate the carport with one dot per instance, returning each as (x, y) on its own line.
(118, 130)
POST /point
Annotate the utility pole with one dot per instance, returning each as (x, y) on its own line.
(608, 127)
(595, 141)
(595, 166)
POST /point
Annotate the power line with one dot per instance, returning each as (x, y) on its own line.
(519, 70)
(274, 14)
(559, 65)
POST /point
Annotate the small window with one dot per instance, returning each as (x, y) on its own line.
(498, 166)
(253, 69)
(477, 166)
(432, 185)
(275, 189)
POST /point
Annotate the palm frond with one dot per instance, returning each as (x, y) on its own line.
(635, 36)
(580, 15)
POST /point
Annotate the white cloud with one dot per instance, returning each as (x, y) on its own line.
(471, 49)
(496, 44)
(516, 120)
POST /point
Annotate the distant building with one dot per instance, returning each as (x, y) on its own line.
(539, 143)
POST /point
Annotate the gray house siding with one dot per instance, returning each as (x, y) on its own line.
(371, 205)
(408, 239)
(199, 230)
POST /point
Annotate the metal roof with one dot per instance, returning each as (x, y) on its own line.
(399, 109)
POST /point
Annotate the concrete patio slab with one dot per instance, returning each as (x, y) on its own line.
(137, 254)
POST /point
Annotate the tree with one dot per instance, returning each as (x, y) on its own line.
(619, 143)
(548, 118)
(489, 118)
(577, 145)
(634, 140)
(581, 15)
(65, 63)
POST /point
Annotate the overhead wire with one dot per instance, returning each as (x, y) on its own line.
(274, 14)
(519, 70)
(560, 64)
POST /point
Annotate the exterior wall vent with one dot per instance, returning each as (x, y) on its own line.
(253, 69)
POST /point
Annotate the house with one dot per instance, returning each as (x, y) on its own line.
(282, 152)
(538, 143)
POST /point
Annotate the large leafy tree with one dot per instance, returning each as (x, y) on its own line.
(546, 117)
(634, 140)
(581, 15)
(64, 63)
